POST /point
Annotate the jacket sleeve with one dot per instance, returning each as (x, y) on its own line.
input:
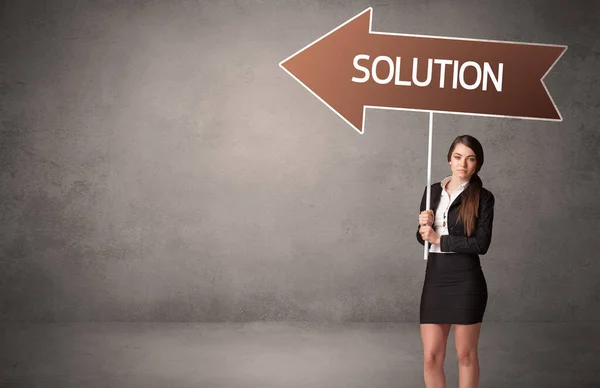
(423, 200)
(481, 239)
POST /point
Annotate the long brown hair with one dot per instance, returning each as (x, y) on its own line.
(469, 208)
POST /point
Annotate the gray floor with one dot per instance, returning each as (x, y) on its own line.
(287, 354)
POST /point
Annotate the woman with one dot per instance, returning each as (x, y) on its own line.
(455, 290)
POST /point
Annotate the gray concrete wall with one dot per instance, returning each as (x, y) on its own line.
(157, 164)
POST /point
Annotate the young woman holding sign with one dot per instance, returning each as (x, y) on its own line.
(455, 290)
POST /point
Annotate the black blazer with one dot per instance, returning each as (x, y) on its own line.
(456, 241)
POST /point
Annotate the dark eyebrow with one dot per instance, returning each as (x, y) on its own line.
(456, 153)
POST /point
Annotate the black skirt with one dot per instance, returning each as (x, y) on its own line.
(454, 290)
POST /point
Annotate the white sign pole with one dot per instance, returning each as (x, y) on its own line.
(428, 202)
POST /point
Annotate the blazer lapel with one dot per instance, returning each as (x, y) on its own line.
(436, 194)
(458, 200)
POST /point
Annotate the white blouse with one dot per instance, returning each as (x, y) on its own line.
(444, 205)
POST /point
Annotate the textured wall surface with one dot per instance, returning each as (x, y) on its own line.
(157, 164)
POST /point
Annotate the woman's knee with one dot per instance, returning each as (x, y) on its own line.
(467, 357)
(433, 359)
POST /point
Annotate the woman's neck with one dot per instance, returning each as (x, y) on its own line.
(454, 182)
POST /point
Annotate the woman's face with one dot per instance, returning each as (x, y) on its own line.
(463, 162)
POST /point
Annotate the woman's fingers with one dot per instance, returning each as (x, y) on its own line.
(426, 217)
(426, 232)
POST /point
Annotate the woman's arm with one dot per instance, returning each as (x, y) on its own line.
(480, 241)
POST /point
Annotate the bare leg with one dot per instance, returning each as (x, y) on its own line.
(467, 339)
(434, 338)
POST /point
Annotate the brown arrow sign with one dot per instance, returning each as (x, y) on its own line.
(352, 68)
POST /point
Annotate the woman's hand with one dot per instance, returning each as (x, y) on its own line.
(429, 234)
(426, 218)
